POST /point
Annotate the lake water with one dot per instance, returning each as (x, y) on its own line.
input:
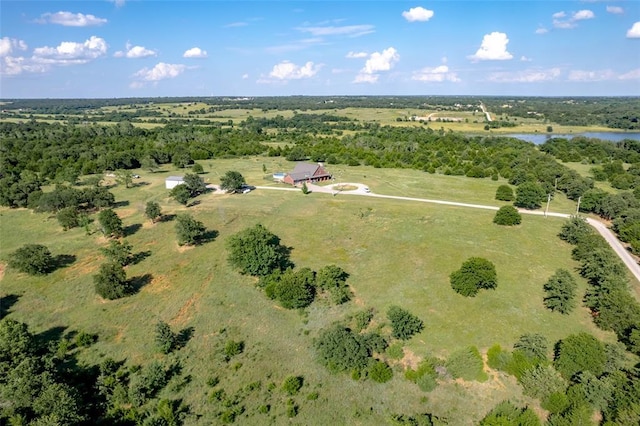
(540, 138)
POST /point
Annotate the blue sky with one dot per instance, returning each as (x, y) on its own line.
(123, 48)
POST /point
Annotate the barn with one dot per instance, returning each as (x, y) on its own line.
(173, 181)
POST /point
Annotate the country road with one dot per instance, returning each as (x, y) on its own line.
(362, 190)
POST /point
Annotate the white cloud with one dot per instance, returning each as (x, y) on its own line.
(10, 65)
(417, 14)
(525, 59)
(245, 76)
(195, 52)
(378, 61)
(580, 75)
(541, 30)
(437, 74)
(616, 10)
(69, 52)
(493, 48)
(161, 71)
(561, 21)
(527, 76)
(581, 15)
(236, 25)
(118, 3)
(634, 31)
(631, 75)
(69, 19)
(356, 55)
(134, 52)
(346, 30)
(8, 45)
(286, 70)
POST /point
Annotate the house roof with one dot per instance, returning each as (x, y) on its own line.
(303, 171)
(175, 178)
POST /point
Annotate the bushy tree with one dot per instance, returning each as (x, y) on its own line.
(189, 230)
(232, 181)
(293, 289)
(505, 413)
(153, 211)
(542, 381)
(579, 353)
(332, 278)
(33, 259)
(475, 274)
(111, 281)
(504, 193)
(256, 251)
(124, 177)
(339, 349)
(68, 218)
(575, 230)
(118, 252)
(194, 184)
(560, 292)
(181, 194)
(534, 346)
(529, 195)
(110, 223)
(197, 168)
(403, 323)
(507, 216)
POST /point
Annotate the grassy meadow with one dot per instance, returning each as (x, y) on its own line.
(396, 252)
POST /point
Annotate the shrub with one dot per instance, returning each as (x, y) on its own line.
(476, 273)
(403, 323)
(507, 216)
(32, 259)
(504, 193)
(505, 413)
(556, 402)
(110, 223)
(68, 218)
(339, 349)
(542, 381)
(578, 353)
(395, 351)
(529, 195)
(188, 230)
(380, 372)
(233, 348)
(292, 385)
(292, 289)
(466, 364)
(497, 358)
(256, 251)
(362, 319)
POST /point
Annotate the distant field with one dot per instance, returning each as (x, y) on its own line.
(396, 253)
(470, 122)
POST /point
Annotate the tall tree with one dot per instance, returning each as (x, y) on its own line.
(153, 211)
(111, 281)
(476, 273)
(110, 223)
(529, 195)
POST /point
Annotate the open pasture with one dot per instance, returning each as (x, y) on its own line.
(396, 252)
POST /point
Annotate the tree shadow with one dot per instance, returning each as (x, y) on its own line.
(194, 203)
(123, 203)
(183, 337)
(6, 302)
(139, 257)
(286, 257)
(131, 229)
(63, 260)
(139, 184)
(208, 236)
(47, 337)
(136, 283)
(167, 218)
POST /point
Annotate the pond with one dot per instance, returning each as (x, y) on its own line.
(540, 138)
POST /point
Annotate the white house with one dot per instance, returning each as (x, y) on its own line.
(173, 181)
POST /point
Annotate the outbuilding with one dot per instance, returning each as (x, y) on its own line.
(173, 181)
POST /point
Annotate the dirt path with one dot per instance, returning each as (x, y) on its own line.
(363, 190)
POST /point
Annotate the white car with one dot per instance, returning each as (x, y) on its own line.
(366, 189)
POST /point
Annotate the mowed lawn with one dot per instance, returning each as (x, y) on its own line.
(396, 252)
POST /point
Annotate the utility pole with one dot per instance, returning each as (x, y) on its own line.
(578, 208)
(546, 210)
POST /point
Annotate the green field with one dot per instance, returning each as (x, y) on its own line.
(397, 252)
